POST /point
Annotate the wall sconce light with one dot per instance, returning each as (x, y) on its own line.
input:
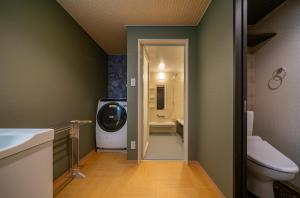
(161, 76)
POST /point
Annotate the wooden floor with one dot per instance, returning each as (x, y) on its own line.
(110, 175)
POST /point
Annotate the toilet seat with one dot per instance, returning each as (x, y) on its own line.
(264, 154)
(254, 138)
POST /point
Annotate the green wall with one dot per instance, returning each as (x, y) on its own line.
(215, 94)
(51, 71)
(211, 74)
(139, 32)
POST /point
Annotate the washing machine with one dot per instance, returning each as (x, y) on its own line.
(111, 124)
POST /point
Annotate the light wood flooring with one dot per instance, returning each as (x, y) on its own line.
(110, 175)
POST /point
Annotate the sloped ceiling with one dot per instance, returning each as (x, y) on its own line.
(106, 20)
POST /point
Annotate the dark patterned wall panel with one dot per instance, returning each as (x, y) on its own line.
(117, 76)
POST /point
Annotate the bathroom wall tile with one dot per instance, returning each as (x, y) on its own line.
(117, 76)
(174, 83)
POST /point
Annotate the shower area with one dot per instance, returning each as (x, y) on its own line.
(163, 129)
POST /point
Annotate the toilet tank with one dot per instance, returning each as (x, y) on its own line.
(250, 118)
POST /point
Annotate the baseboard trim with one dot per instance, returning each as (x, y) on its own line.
(60, 182)
(111, 151)
(218, 191)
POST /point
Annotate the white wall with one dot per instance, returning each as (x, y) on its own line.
(145, 101)
(277, 113)
(250, 81)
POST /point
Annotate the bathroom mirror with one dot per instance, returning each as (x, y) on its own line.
(160, 97)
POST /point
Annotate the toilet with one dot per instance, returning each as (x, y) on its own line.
(265, 164)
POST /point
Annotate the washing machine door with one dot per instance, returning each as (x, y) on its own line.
(111, 117)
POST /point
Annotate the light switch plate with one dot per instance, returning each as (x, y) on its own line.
(132, 145)
(132, 82)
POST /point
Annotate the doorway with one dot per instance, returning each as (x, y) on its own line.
(163, 123)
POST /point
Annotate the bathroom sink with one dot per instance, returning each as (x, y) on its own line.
(13, 141)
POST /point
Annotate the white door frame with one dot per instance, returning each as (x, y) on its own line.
(166, 42)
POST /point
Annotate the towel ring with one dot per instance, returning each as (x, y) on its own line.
(277, 78)
(280, 72)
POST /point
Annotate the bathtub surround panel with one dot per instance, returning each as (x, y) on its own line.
(277, 115)
(174, 91)
(51, 72)
(215, 90)
(21, 177)
(117, 76)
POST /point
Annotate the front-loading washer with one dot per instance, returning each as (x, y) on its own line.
(111, 124)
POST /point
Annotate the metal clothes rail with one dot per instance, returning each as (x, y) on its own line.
(66, 145)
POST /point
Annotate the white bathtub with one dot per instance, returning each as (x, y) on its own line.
(162, 127)
(26, 163)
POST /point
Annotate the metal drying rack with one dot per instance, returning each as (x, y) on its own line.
(62, 134)
(74, 135)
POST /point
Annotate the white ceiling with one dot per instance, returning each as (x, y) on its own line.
(106, 20)
(171, 56)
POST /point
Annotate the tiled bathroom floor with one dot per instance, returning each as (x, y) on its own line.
(168, 146)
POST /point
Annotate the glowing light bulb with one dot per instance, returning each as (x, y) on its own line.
(161, 76)
(161, 66)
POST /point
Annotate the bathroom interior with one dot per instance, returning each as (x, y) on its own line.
(273, 100)
(164, 102)
(58, 58)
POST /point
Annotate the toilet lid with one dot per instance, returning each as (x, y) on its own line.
(254, 138)
(262, 153)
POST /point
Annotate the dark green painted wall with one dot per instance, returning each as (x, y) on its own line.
(214, 90)
(51, 71)
(180, 32)
(211, 70)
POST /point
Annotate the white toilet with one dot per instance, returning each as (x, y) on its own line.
(265, 164)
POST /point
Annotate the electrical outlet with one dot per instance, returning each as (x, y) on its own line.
(132, 145)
